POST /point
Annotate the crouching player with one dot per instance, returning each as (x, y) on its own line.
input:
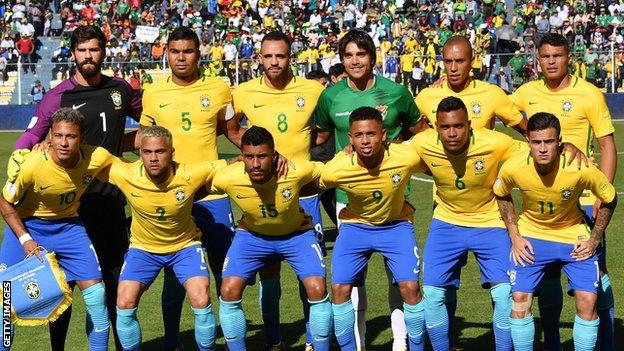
(551, 229)
(160, 193)
(377, 219)
(273, 227)
(40, 207)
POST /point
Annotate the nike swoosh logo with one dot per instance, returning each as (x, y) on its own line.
(163, 105)
(259, 105)
(499, 326)
(416, 271)
(44, 187)
(75, 107)
(135, 195)
(97, 330)
(435, 165)
(532, 103)
(351, 186)
(239, 196)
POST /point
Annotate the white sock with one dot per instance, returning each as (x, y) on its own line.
(360, 303)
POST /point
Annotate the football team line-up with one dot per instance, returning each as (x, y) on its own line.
(179, 193)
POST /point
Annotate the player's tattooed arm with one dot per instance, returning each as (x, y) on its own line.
(587, 248)
(521, 249)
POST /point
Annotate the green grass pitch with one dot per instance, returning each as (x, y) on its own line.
(473, 318)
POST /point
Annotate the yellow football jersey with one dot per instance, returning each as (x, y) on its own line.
(375, 196)
(191, 114)
(484, 102)
(161, 214)
(550, 209)
(464, 183)
(46, 190)
(272, 208)
(581, 108)
(287, 113)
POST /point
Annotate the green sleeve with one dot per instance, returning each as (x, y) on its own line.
(410, 115)
(322, 116)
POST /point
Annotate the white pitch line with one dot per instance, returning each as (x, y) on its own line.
(422, 179)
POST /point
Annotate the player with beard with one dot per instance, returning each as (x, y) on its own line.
(105, 102)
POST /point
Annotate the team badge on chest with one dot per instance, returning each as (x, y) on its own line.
(287, 193)
(566, 194)
(396, 179)
(116, 97)
(300, 102)
(479, 166)
(180, 195)
(204, 102)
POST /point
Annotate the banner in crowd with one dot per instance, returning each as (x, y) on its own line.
(147, 33)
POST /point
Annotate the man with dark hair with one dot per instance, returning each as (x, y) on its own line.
(105, 103)
(195, 108)
(378, 218)
(362, 88)
(273, 227)
(319, 76)
(337, 73)
(584, 116)
(283, 104)
(552, 230)
(464, 162)
(35, 217)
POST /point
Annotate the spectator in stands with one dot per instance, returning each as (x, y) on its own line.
(37, 92)
(26, 47)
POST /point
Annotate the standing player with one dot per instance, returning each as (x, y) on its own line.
(583, 115)
(163, 233)
(105, 102)
(284, 105)
(40, 207)
(485, 101)
(464, 163)
(551, 229)
(400, 119)
(193, 107)
(377, 219)
(273, 227)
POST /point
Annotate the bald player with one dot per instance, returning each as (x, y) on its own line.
(483, 100)
(584, 117)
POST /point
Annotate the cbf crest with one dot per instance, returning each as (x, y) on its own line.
(204, 101)
(566, 194)
(476, 108)
(116, 97)
(479, 166)
(287, 193)
(32, 289)
(566, 107)
(300, 101)
(396, 179)
(180, 195)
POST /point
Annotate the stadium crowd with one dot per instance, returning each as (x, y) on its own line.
(409, 34)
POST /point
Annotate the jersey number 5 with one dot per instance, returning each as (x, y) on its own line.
(187, 121)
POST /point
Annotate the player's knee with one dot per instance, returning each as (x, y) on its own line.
(315, 288)
(410, 292)
(521, 305)
(341, 293)
(231, 290)
(586, 304)
(125, 301)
